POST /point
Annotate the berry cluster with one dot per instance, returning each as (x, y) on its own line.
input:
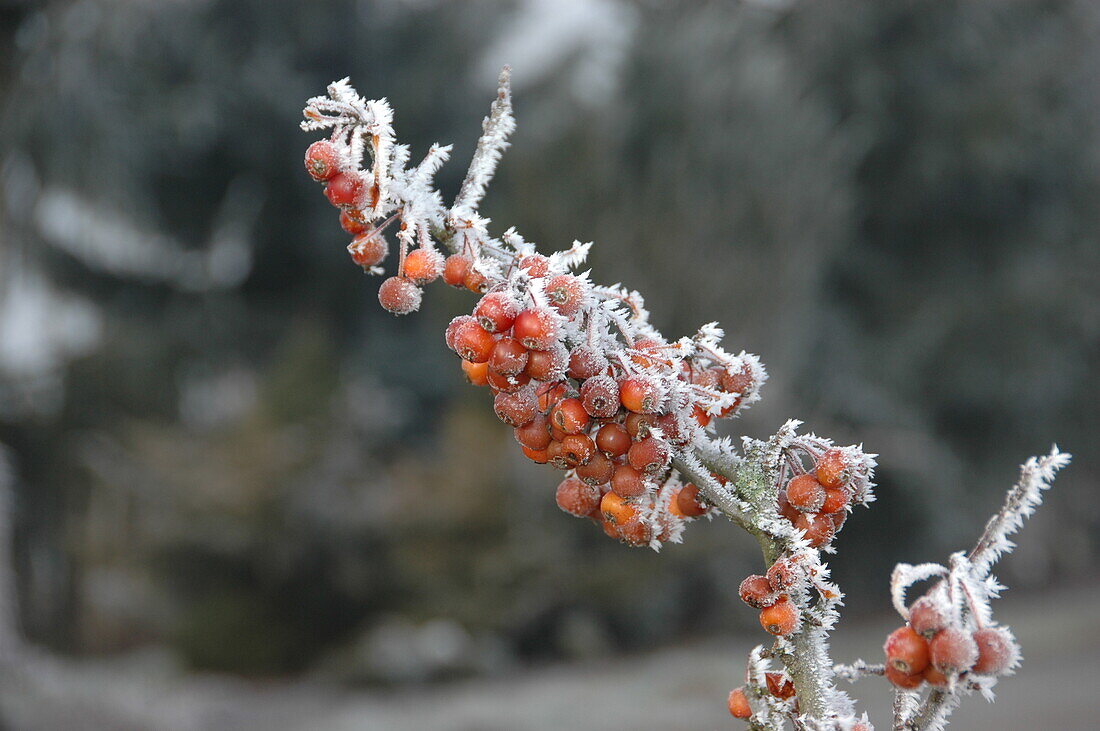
(611, 414)
(770, 594)
(588, 386)
(817, 502)
(938, 647)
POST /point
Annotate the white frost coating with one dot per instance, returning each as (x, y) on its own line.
(904, 576)
(494, 140)
(1036, 475)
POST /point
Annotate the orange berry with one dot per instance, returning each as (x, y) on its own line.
(473, 342)
(476, 373)
(836, 499)
(598, 470)
(780, 618)
(996, 651)
(538, 456)
(516, 409)
(686, 502)
(569, 416)
(757, 592)
(952, 651)
(535, 433)
(901, 680)
(739, 704)
(615, 509)
(636, 532)
(399, 296)
(640, 395)
(818, 529)
(368, 251)
(547, 365)
(613, 440)
(934, 677)
(805, 493)
(507, 384)
(577, 449)
(496, 312)
(536, 328)
(906, 651)
(925, 617)
(423, 266)
(627, 481)
(651, 455)
(455, 269)
(832, 469)
(508, 358)
(576, 497)
(782, 575)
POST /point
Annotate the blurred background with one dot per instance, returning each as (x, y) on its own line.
(237, 494)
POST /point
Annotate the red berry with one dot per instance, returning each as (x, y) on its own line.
(627, 481)
(368, 251)
(615, 509)
(577, 498)
(496, 311)
(818, 529)
(399, 296)
(785, 508)
(996, 651)
(925, 617)
(651, 455)
(644, 347)
(322, 160)
(577, 449)
(536, 265)
(516, 409)
(686, 502)
(805, 493)
(423, 266)
(934, 677)
(508, 384)
(552, 393)
(508, 357)
(535, 433)
(736, 381)
(547, 365)
(473, 343)
(836, 499)
(345, 189)
(538, 456)
(832, 469)
(637, 425)
(906, 651)
(953, 651)
(476, 373)
(636, 532)
(641, 395)
(455, 269)
(782, 575)
(757, 592)
(569, 416)
(901, 680)
(702, 418)
(779, 619)
(739, 704)
(453, 328)
(536, 328)
(353, 222)
(600, 396)
(598, 470)
(779, 686)
(613, 440)
(566, 293)
(555, 455)
(585, 362)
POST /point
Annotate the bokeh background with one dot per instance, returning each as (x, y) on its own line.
(237, 494)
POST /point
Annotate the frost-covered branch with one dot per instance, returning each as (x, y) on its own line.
(590, 386)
